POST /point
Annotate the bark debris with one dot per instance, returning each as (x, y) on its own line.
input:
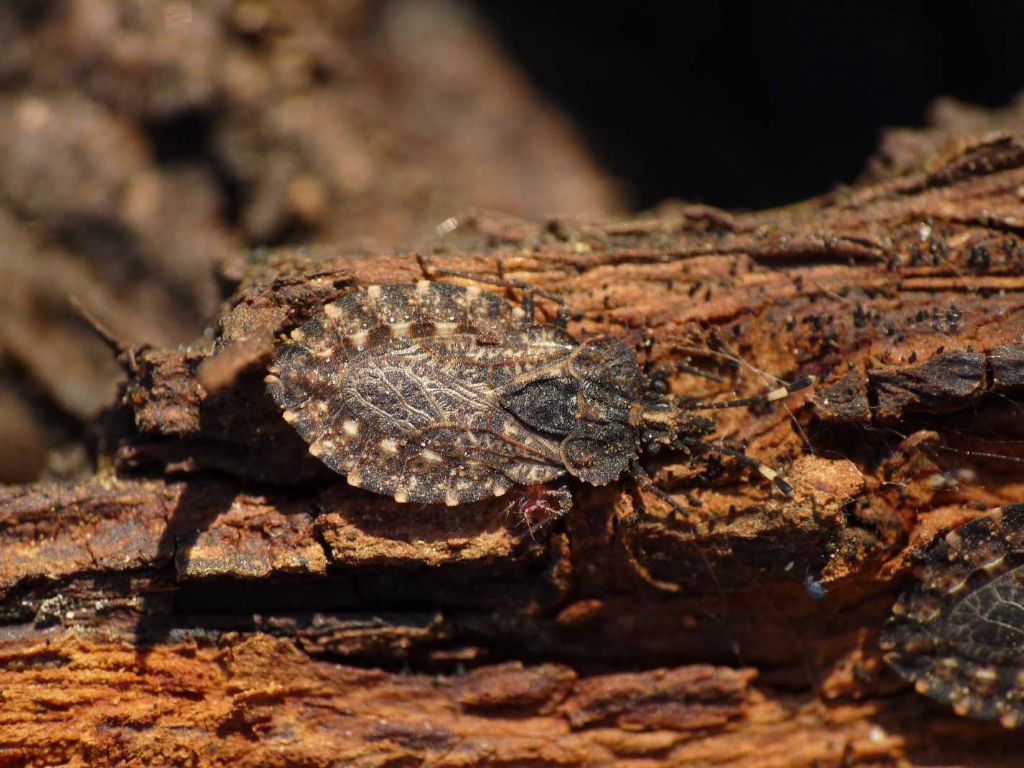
(214, 595)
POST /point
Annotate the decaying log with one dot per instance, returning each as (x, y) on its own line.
(214, 595)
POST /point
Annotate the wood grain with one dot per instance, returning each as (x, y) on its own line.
(216, 596)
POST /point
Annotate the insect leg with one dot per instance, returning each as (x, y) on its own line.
(530, 292)
(763, 469)
(646, 482)
(770, 396)
(662, 371)
(430, 272)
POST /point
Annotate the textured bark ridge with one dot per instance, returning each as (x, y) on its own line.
(216, 595)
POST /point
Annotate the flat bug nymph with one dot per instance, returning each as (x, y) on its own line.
(957, 633)
(436, 393)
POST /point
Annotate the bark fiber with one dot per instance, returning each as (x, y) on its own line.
(215, 596)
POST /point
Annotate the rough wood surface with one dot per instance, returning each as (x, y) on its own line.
(215, 596)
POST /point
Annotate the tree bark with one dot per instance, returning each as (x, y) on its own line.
(216, 596)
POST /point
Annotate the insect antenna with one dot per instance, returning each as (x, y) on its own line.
(730, 356)
(769, 396)
(661, 372)
(530, 292)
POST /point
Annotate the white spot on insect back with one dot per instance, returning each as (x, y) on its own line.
(956, 588)
(445, 329)
(358, 340)
(354, 477)
(401, 494)
(388, 445)
(325, 447)
(986, 676)
(472, 293)
(400, 330)
(428, 455)
(350, 427)
(422, 287)
(992, 566)
(374, 292)
(332, 311)
(451, 498)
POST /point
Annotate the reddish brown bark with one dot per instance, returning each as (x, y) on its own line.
(214, 595)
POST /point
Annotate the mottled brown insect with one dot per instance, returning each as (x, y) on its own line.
(435, 393)
(958, 633)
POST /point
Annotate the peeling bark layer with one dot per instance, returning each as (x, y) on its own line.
(215, 595)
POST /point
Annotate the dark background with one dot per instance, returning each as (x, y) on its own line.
(756, 104)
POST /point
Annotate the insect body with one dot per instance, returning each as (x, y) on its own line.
(435, 393)
(958, 634)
